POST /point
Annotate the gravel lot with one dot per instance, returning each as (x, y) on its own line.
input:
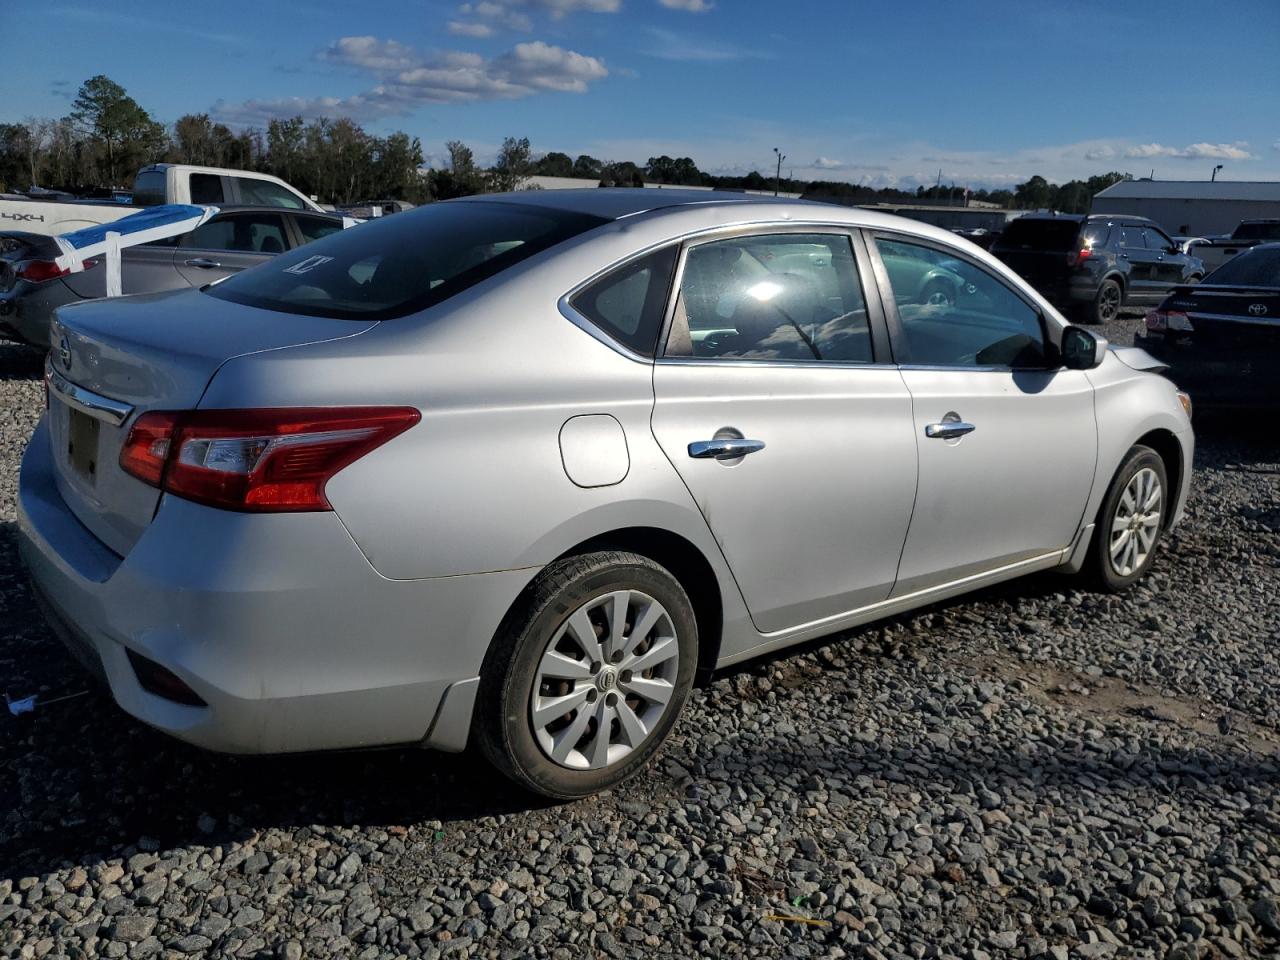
(1034, 771)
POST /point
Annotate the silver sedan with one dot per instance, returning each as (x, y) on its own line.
(514, 470)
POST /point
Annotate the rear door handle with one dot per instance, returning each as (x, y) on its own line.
(729, 448)
(948, 430)
(203, 263)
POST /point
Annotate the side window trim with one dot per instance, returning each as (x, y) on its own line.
(587, 325)
(880, 340)
(901, 349)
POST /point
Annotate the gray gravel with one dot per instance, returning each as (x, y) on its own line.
(1034, 771)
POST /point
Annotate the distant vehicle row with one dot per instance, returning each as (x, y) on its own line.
(154, 185)
(1094, 265)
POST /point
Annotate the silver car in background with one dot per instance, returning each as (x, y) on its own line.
(512, 470)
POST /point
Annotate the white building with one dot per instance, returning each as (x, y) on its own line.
(1192, 207)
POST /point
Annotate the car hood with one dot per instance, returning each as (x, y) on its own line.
(1138, 359)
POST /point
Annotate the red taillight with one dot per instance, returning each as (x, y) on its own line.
(257, 460)
(1077, 257)
(38, 271)
(1159, 321)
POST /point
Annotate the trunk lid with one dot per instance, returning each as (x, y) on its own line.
(1229, 319)
(111, 360)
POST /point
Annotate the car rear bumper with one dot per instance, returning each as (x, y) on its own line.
(26, 310)
(276, 621)
(1218, 378)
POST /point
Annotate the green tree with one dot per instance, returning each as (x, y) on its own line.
(554, 165)
(1034, 194)
(513, 167)
(124, 132)
(587, 167)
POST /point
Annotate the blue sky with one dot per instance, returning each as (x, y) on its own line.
(876, 92)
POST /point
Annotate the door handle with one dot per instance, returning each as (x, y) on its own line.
(729, 448)
(203, 263)
(948, 430)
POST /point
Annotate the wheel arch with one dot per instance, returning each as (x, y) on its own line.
(687, 564)
(1164, 443)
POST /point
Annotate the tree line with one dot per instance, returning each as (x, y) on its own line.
(107, 135)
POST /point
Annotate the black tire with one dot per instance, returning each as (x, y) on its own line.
(1100, 566)
(503, 722)
(1195, 278)
(1106, 302)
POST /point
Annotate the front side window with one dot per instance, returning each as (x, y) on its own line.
(977, 321)
(1131, 238)
(394, 266)
(245, 233)
(628, 303)
(778, 297)
(1157, 240)
(264, 193)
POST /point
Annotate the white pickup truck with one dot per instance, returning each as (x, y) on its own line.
(156, 184)
(1215, 251)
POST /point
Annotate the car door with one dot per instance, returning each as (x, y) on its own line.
(229, 243)
(1167, 261)
(774, 400)
(1141, 284)
(1005, 436)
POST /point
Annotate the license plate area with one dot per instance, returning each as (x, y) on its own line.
(82, 445)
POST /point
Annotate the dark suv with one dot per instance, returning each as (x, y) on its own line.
(1091, 266)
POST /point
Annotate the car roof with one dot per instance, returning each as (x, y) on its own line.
(614, 203)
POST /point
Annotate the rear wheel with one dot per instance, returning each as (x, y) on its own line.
(1131, 521)
(588, 674)
(1106, 302)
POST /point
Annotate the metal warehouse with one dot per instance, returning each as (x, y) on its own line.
(1192, 207)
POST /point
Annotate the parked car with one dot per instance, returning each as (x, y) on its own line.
(51, 212)
(1222, 337)
(512, 469)
(1092, 266)
(1215, 251)
(32, 285)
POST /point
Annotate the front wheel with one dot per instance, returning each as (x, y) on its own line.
(1131, 521)
(587, 675)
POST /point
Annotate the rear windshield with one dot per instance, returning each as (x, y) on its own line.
(1041, 234)
(1253, 268)
(399, 265)
(1257, 231)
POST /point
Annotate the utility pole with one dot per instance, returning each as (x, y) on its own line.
(1214, 176)
(777, 182)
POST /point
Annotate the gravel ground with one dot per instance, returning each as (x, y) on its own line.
(1033, 771)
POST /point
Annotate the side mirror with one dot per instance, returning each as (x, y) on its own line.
(1081, 350)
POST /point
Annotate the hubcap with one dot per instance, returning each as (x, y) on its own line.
(1110, 302)
(1136, 523)
(605, 680)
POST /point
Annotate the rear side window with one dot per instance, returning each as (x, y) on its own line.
(1096, 235)
(1131, 238)
(628, 303)
(1037, 234)
(1257, 231)
(398, 265)
(206, 188)
(148, 188)
(1253, 268)
(314, 228)
(264, 193)
(247, 233)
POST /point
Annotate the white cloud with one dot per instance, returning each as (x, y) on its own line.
(668, 45)
(826, 163)
(1195, 151)
(407, 79)
(463, 29)
(1104, 152)
(559, 8)
(692, 6)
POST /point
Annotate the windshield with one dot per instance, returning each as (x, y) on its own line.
(399, 265)
(1253, 268)
(1034, 234)
(1266, 230)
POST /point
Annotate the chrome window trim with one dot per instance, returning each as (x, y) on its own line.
(771, 362)
(86, 401)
